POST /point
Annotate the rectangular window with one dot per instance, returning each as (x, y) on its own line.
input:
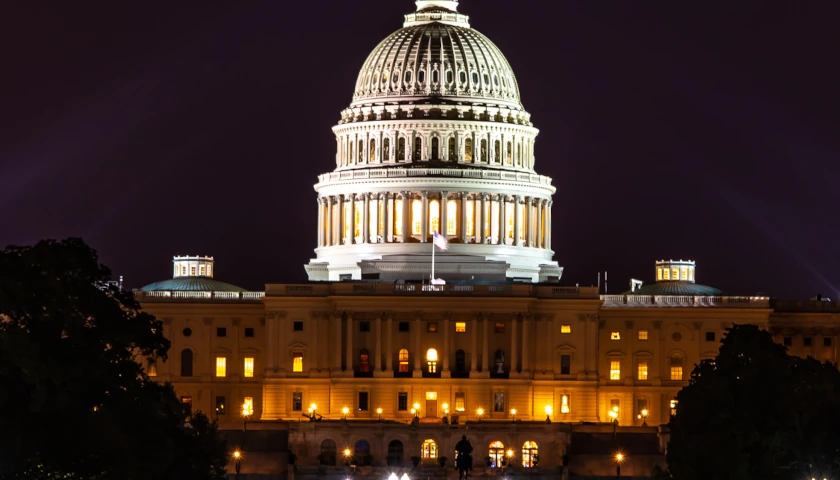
(710, 336)
(460, 401)
(297, 401)
(565, 328)
(431, 327)
(676, 368)
(402, 401)
(500, 328)
(498, 402)
(565, 404)
(565, 364)
(788, 341)
(192, 271)
(363, 401)
(615, 369)
(675, 275)
(403, 326)
(152, 367)
(221, 332)
(460, 327)
(186, 402)
(297, 326)
(221, 366)
(615, 404)
(248, 371)
(643, 370)
(667, 274)
(220, 405)
(297, 362)
(641, 404)
(364, 327)
(249, 331)
(615, 336)
(807, 341)
(643, 334)
(248, 406)
(826, 343)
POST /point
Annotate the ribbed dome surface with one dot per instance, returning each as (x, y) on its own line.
(676, 288)
(192, 284)
(436, 60)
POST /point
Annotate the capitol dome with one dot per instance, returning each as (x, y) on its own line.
(435, 139)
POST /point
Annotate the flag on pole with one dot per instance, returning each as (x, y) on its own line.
(440, 241)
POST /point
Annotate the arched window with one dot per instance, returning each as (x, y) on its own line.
(430, 448)
(416, 217)
(361, 452)
(451, 217)
(483, 150)
(432, 358)
(435, 148)
(435, 76)
(475, 78)
(462, 77)
(418, 144)
(434, 217)
(496, 452)
(372, 151)
(421, 76)
(327, 456)
(386, 149)
(408, 76)
(449, 76)
(401, 150)
(509, 159)
(364, 361)
(460, 361)
(395, 454)
(530, 454)
(676, 367)
(186, 363)
(452, 153)
(403, 359)
(468, 153)
(497, 152)
(361, 151)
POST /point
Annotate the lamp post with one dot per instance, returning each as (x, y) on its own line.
(379, 412)
(237, 456)
(509, 455)
(549, 410)
(619, 457)
(345, 411)
(614, 415)
(513, 414)
(643, 415)
(416, 410)
(480, 413)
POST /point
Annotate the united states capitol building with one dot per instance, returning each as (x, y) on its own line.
(371, 364)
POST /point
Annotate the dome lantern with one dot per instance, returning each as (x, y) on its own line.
(441, 11)
(192, 266)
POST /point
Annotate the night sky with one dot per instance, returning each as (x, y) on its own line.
(701, 130)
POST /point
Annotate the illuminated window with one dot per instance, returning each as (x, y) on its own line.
(666, 274)
(403, 358)
(372, 151)
(209, 270)
(564, 404)
(431, 395)
(690, 274)
(565, 328)
(248, 406)
(151, 369)
(643, 334)
(361, 151)
(659, 273)
(430, 449)
(460, 401)
(364, 361)
(509, 158)
(642, 404)
(192, 271)
(432, 359)
(183, 269)
(497, 152)
(451, 217)
(297, 362)
(615, 336)
(615, 404)
(683, 273)
(643, 370)
(416, 217)
(675, 273)
(297, 401)
(496, 452)
(186, 403)
(530, 454)
(221, 366)
(249, 367)
(460, 327)
(615, 370)
(434, 217)
(470, 218)
(676, 367)
(468, 151)
(398, 216)
(201, 271)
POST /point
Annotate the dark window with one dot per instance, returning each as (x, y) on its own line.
(462, 77)
(788, 341)
(297, 401)
(186, 403)
(710, 336)
(363, 401)
(500, 328)
(435, 148)
(826, 341)
(806, 341)
(431, 327)
(249, 331)
(435, 76)
(220, 405)
(395, 454)
(361, 452)
(417, 148)
(186, 363)
(449, 76)
(403, 326)
(364, 326)
(327, 456)
(297, 326)
(460, 361)
(402, 401)
(421, 76)
(221, 332)
(565, 364)
(187, 332)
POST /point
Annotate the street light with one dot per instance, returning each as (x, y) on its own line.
(347, 454)
(614, 415)
(619, 457)
(237, 455)
(480, 413)
(549, 410)
(513, 414)
(643, 415)
(509, 455)
(345, 411)
(379, 412)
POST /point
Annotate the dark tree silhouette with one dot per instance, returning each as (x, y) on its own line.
(74, 402)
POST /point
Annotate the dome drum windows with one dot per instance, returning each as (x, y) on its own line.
(421, 77)
(408, 77)
(451, 150)
(418, 147)
(435, 77)
(450, 77)
(462, 77)
(435, 148)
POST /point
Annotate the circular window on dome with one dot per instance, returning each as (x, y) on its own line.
(421, 76)
(676, 336)
(408, 76)
(187, 332)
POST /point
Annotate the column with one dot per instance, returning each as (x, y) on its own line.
(424, 220)
(446, 347)
(485, 363)
(405, 232)
(526, 319)
(502, 219)
(352, 233)
(479, 222)
(365, 230)
(474, 359)
(417, 353)
(320, 222)
(348, 367)
(337, 352)
(329, 232)
(389, 350)
(444, 217)
(548, 224)
(387, 228)
(339, 239)
(539, 223)
(377, 360)
(529, 220)
(513, 346)
(517, 221)
(464, 217)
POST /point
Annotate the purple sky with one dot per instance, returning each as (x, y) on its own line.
(702, 130)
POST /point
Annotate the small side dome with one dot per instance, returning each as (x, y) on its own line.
(192, 274)
(673, 277)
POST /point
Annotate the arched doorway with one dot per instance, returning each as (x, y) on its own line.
(530, 454)
(496, 452)
(327, 456)
(395, 454)
(430, 449)
(361, 452)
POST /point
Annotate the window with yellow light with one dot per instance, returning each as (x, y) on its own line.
(297, 362)
(643, 370)
(565, 328)
(248, 370)
(221, 366)
(615, 369)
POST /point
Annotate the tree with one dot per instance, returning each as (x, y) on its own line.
(74, 401)
(755, 412)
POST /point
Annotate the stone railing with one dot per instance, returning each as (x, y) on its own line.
(684, 301)
(390, 171)
(165, 296)
(373, 288)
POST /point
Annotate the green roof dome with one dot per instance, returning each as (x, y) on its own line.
(676, 288)
(673, 277)
(193, 284)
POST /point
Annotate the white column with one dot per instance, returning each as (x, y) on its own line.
(485, 363)
(386, 221)
(348, 367)
(329, 232)
(444, 217)
(342, 206)
(517, 221)
(479, 223)
(513, 346)
(352, 233)
(424, 222)
(377, 360)
(548, 224)
(502, 219)
(320, 221)
(529, 220)
(464, 217)
(365, 230)
(539, 222)
(406, 234)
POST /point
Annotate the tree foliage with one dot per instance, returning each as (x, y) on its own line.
(755, 412)
(74, 402)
